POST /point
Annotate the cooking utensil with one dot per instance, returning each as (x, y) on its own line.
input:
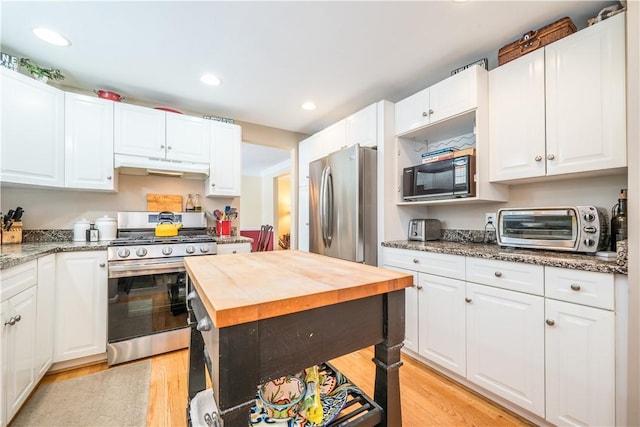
(106, 94)
(217, 214)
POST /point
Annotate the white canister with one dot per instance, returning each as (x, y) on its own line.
(107, 228)
(80, 230)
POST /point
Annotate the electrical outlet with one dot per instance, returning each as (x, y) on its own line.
(490, 217)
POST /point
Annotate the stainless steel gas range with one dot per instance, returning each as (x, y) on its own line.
(147, 284)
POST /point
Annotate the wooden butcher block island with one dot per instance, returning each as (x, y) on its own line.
(263, 315)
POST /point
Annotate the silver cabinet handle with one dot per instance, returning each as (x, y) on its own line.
(538, 158)
(575, 287)
(550, 322)
(102, 264)
(416, 260)
(467, 299)
(109, 177)
(10, 322)
(213, 185)
(419, 287)
(425, 114)
(168, 147)
(498, 274)
(550, 157)
(430, 112)
(235, 252)
(162, 146)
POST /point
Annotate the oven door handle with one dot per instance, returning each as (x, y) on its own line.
(130, 270)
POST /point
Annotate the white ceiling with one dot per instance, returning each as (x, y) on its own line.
(272, 56)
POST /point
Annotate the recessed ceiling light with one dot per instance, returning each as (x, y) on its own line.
(308, 106)
(210, 79)
(51, 37)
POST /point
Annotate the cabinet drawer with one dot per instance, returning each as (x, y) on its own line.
(507, 275)
(17, 279)
(233, 248)
(580, 287)
(426, 262)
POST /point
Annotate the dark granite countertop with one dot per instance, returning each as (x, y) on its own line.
(538, 257)
(221, 240)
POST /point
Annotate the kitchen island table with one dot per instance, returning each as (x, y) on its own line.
(268, 314)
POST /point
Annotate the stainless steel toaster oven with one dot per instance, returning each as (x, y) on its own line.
(564, 228)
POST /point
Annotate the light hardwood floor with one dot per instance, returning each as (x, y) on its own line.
(428, 398)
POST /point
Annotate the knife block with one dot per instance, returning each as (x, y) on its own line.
(13, 235)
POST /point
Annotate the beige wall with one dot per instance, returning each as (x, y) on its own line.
(251, 202)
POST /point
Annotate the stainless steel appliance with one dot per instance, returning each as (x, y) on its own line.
(342, 205)
(564, 228)
(442, 179)
(147, 284)
(423, 230)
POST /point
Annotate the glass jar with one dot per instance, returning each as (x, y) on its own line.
(188, 206)
(197, 205)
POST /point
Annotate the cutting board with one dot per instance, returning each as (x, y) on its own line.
(164, 202)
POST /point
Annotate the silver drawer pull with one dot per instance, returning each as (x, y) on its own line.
(416, 260)
(538, 158)
(468, 299)
(575, 287)
(419, 287)
(550, 322)
(498, 274)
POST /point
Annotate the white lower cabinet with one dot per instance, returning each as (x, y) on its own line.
(505, 344)
(46, 314)
(580, 365)
(303, 218)
(81, 305)
(233, 248)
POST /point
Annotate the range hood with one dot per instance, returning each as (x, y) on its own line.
(138, 165)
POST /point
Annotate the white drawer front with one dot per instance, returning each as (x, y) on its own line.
(580, 287)
(426, 262)
(233, 248)
(17, 279)
(507, 275)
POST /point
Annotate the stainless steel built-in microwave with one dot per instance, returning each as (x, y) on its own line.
(565, 228)
(442, 179)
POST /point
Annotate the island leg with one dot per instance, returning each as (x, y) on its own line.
(387, 359)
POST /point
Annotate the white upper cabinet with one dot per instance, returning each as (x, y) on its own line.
(225, 167)
(139, 131)
(152, 133)
(32, 116)
(308, 151)
(561, 109)
(586, 103)
(443, 100)
(188, 138)
(362, 127)
(88, 144)
(517, 118)
(333, 138)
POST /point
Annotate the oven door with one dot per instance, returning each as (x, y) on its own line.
(555, 229)
(145, 298)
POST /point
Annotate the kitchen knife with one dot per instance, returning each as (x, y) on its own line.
(8, 219)
(17, 216)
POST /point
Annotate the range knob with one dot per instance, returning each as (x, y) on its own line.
(589, 242)
(589, 217)
(123, 252)
(167, 250)
(141, 252)
(190, 249)
(590, 229)
(204, 249)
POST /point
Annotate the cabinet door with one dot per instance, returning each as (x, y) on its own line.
(454, 95)
(362, 127)
(411, 307)
(517, 119)
(412, 112)
(580, 365)
(505, 344)
(81, 305)
(586, 111)
(188, 138)
(303, 218)
(45, 316)
(333, 138)
(308, 151)
(225, 168)
(20, 340)
(88, 143)
(442, 321)
(139, 131)
(32, 131)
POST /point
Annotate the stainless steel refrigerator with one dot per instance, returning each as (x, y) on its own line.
(342, 205)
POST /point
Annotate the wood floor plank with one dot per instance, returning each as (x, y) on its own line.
(428, 398)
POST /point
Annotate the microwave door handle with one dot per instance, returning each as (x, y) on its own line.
(329, 206)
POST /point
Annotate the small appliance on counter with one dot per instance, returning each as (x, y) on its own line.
(424, 230)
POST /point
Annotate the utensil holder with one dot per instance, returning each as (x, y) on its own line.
(223, 228)
(13, 235)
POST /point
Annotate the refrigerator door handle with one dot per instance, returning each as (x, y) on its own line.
(323, 204)
(329, 207)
